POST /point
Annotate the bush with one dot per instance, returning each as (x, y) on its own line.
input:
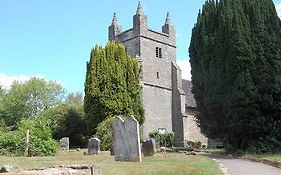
(165, 139)
(68, 121)
(104, 133)
(40, 141)
(195, 145)
(11, 143)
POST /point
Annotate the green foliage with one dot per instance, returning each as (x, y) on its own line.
(68, 121)
(195, 145)
(40, 142)
(2, 92)
(2, 125)
(165, 139)
(29, 99)
(104, 133)
(112, 85)
(236, 73)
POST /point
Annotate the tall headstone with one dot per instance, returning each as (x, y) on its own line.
(149, 147)
(93, 146)
(64, 143)
(126, 139)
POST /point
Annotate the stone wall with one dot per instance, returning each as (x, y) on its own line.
(177, 101)
(193, 132)
(158, 111)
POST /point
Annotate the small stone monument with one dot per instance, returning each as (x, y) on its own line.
(95, 170)
(93, 146)
(64, 143)
(126, 139)
(149, 147)
(111, 151)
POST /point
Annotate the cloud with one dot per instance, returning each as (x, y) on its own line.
(6, 80)
(278, 8)
(185, 68)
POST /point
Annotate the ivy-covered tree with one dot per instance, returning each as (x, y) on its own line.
(235, 56)
(112, 85)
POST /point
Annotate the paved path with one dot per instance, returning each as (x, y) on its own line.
(243, 167)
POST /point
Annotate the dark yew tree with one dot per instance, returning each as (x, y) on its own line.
(112, 85)
(235, 56)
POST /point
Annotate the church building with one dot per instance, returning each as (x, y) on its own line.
(168, 102)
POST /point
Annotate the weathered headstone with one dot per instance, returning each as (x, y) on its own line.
(126, 139)
(64, 143)
(93, 146)
(149, 147)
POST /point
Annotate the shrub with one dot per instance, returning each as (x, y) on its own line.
(104, 133)
(68, 121)
(165, 139)
(40, 141)
(11, 143)
(196, 145)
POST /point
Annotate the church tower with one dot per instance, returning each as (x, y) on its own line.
(162, 94)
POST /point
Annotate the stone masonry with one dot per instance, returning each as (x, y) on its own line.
(162, 93)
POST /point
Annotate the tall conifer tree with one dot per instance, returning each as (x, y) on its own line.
(235, 56)
(112, 85)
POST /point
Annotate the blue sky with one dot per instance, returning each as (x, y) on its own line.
(53, 38)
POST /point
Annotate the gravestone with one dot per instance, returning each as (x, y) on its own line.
(111, 151)
(126, 139)
(95, 170)
(93, 146)
(64, 143)
(149, 147)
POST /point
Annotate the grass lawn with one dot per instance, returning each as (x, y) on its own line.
(164, 163)
(272, 157)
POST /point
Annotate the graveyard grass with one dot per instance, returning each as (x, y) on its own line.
(263, 156)
(164, 163)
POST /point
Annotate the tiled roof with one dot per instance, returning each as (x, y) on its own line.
(189, 97)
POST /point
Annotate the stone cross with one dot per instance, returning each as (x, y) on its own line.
(126, 139)
(149, 147)
(64, 143)
(93, 146)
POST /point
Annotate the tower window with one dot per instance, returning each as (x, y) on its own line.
(158, 52)
(157, 74)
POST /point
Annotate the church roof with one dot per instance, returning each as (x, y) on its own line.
(189, 96)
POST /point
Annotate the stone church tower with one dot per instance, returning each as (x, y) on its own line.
(162, 93)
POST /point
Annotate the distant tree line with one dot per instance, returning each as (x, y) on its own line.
(235, 56)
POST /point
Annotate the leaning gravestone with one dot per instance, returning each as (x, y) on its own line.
(126, 139)
(148, 147)
(64, 143)
(93, 146)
